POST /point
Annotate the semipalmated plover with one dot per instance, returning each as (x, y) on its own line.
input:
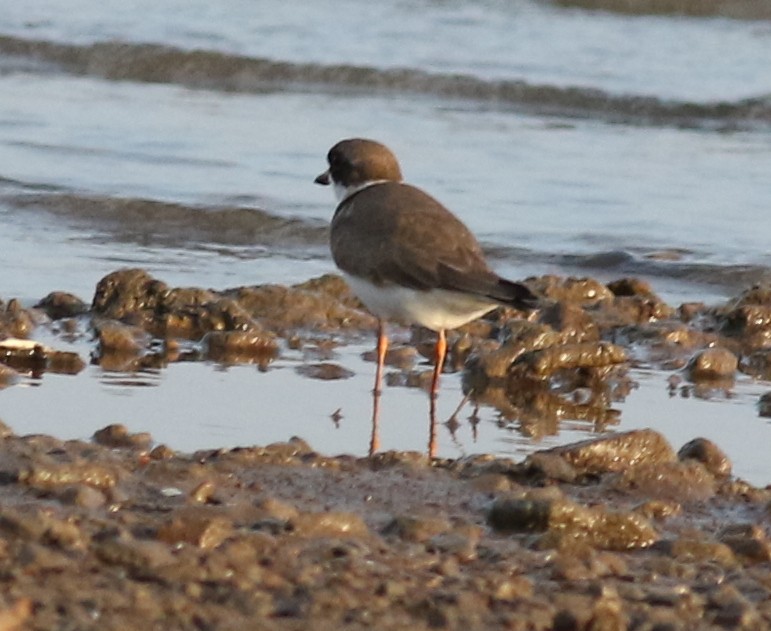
(406, 256)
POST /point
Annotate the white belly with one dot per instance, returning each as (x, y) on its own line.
(435, 309)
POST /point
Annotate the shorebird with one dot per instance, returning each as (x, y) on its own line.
(406, 256)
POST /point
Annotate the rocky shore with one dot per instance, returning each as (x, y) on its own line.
(618, 532)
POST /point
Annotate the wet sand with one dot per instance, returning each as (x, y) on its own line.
(615, 532)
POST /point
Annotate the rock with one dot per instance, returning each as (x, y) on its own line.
(300, 306)
(542, 363)
(15, 321)
(689, 549)
(140, 558)
(116, 337)
(764, 405)
(24, 355)
(31, 356)
(240, 346)
(631, 287)
(749, 321)
(117, 435)
(758, 364)
(732, 610)
(203, 493)
(616, 452)
(129, 295)
(748, 541)
(709, 454)
(329, 524)
(83, 496)
(417, 529)
(325, 371)
(277, 509)
(582, 291)
(712, 364)
(16, 616)
(758, 294)
(551, 466)
(8, 376)
(573, 323)
(489, 368)
(161, 452)
(200, 528)
(64, 362)
(568, 524)
(635, 310)
(520, 514)
(50, 476)
(59, 304)
(683, 482)
(5, 430)
(689, 311)
(191, 313)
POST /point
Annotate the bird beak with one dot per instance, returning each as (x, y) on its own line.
(323, 178)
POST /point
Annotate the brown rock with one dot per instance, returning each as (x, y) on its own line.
(583, 291)
(683, 482)
(764, 405)
(290, 307)
(520, 514)
(16, 616)
(568, 524)
(545, 362)
(116, 337)
(117, 435)
(417, 528)
(200, 528)
(130, 295)
(689, 311)
(140, 558)
(712, 364)
(60, 304)
(631, 287)
(325, 371)
(639, 309)
(689, 549)
(240, 346)
(748, 541)
(8, 376)
(616, 452)
(574, 324)
(709, 454)
(64, 362)
(50, 476)
(83, 495)
(190, 313)
(161, 452)
(15, 321)
(758, 364)
(329, 524)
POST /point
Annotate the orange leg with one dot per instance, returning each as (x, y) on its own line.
(439, 357)
(382, 347)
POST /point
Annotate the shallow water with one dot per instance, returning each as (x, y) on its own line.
(184, 138)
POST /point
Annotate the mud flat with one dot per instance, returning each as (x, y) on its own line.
(611, 533)
(624, 531)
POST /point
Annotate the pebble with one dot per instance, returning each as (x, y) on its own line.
(712, 364)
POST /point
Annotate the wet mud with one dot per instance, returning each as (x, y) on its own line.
(611, 533)
(620, 532)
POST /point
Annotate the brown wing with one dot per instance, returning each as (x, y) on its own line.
(396, 233)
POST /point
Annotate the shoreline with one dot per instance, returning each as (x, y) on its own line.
(612, 533)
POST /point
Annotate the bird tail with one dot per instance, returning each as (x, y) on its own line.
(514, 295)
